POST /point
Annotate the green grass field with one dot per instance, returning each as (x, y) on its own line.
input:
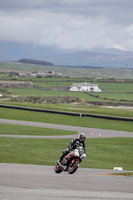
(81, 95)
(85, 108)
(65, 120)
(27, 130)
(69, 71)
(101, 153)
(104, 153)
(114, 91)
(117, 96)
(36, 92)
(116, 87)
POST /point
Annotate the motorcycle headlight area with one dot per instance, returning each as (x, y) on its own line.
(83, 156)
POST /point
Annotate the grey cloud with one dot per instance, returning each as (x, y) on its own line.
(120, 10)
(68, 24)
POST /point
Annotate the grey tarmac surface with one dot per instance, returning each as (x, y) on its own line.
(87, 131)
(34, 182)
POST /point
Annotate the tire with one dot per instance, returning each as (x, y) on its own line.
(57, 169)
(73, 166)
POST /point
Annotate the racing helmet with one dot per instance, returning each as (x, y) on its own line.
(81, 137)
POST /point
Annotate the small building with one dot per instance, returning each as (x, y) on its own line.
(23, 75)
(13, 74)
(84, 87)
(51, 73)
(48, 74)
(33, 75)
(41, 75)
(27, 84)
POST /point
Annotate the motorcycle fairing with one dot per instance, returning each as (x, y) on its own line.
(70, 156)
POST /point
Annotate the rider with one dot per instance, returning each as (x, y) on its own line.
(81, 139)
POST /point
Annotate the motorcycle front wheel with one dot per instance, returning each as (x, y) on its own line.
(57, 169)
(73, 166)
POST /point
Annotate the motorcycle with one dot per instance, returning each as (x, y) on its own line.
(70, 162)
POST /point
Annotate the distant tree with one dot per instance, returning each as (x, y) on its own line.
(35, 62)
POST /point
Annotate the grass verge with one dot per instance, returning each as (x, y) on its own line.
(102, 153)
(28, 130)
(65, 119)
(85, 108)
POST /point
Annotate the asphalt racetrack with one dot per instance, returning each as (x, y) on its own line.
(87, 131)
(34, 182)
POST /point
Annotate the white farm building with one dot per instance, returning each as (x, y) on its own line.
(84, 87)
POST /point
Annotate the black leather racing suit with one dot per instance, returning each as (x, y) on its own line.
(72, 146)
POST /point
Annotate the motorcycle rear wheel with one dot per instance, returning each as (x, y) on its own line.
(73, 167)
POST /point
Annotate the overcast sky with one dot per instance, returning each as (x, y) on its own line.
(68, 24)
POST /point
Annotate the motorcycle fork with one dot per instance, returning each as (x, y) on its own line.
(75, 159)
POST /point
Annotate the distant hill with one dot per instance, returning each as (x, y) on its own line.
(68, 71)
(94, 59)
(35, 62)
(13, 51)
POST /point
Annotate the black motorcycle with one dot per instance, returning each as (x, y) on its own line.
(70, 162)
